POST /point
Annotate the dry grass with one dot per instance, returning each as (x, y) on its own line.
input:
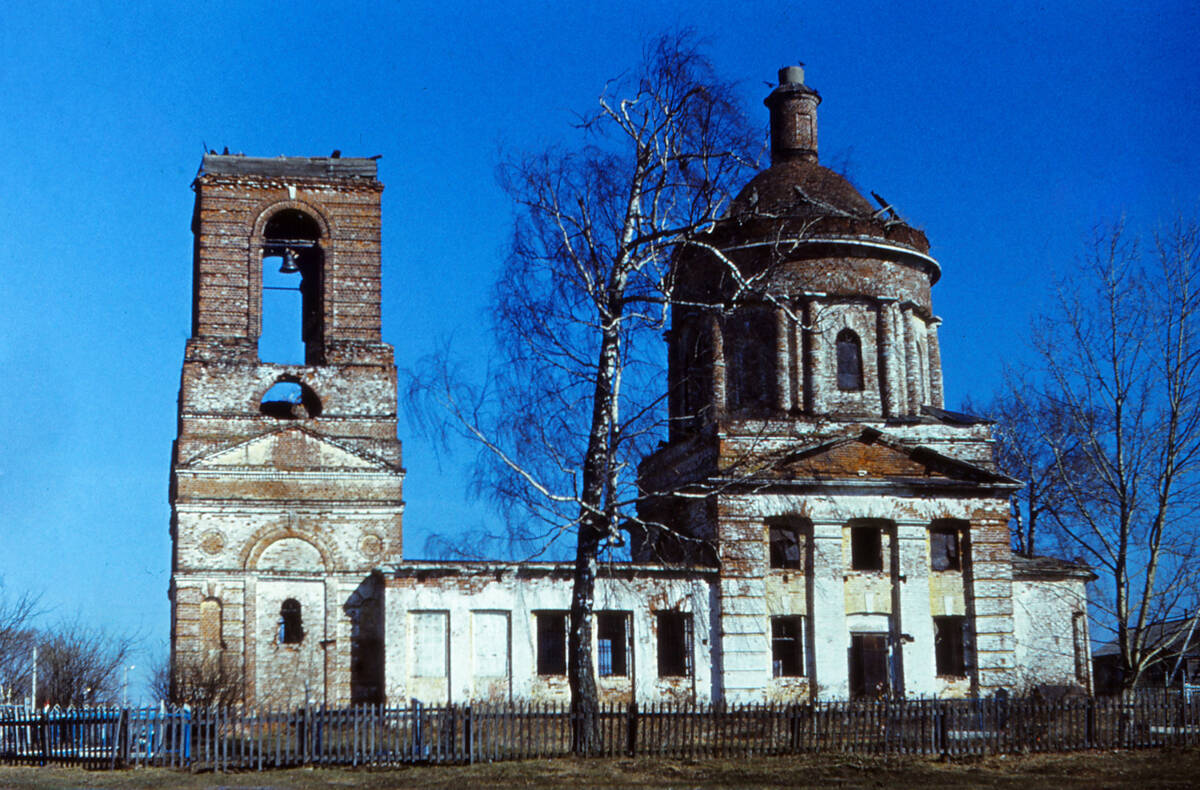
(1115, 770)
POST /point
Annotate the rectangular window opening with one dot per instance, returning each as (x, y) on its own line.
(674, 644)
(944, 549)
(551, 643)
(866, 548)
(950, 642)
(787, 646)
(785, 548)
(612, 637)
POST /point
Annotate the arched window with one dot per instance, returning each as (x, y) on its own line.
(291, 627)
(292, 272)
(849, 361)
(288, 399)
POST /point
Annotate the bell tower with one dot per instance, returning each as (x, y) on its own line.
(286, 474)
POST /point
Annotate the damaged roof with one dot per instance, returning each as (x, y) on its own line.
(288, 166)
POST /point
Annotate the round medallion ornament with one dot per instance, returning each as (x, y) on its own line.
(212, 542)
(371, 546)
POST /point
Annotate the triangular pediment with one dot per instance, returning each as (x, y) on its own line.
(290, 449)
(872, 455)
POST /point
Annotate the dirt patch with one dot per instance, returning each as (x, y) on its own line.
(1116, 770)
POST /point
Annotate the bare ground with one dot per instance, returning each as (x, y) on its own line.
(1114, 770)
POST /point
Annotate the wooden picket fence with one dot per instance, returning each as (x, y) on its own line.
(225, 739)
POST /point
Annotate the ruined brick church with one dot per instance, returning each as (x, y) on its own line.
(827, 529)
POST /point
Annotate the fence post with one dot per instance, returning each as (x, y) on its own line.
(631, 729)
(43, 735)
(1091, 722)
(469, 735)
(940, 730)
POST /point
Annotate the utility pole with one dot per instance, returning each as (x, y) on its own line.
(125, 687)
(33, 694)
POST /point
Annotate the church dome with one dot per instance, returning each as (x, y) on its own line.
(798, 191)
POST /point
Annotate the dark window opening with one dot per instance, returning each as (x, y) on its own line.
(750, 356)
(787, 646)
(291, 626)
(291, 286)
(551, 643)
(945, 549)
(869, 666)
(612, 637)
(785, 548)
(950, 641)
(674, 644)
(866, 548)
(849, 361)
(290, 400)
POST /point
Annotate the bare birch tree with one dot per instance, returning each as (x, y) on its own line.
(1111, 429)
(17, 638)
(577, 396)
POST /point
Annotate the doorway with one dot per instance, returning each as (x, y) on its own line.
(869, 666)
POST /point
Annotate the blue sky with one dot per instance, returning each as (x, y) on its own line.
(1005, 130)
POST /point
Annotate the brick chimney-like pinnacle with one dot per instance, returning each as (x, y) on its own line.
(793, 117)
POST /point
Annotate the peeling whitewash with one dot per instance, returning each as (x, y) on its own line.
(468, 632)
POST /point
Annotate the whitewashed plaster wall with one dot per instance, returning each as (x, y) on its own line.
(482, 606)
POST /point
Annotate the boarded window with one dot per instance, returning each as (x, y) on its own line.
(674, 644)
(612, 639)
(785, 547)
(950, 643)
(849, 361)
(866, 548)
(491, 644)
(429, 648)
(787, 646)
(291, 623)
(551, 643)
(944, 549)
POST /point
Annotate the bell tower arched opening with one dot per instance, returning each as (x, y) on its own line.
(292, 285)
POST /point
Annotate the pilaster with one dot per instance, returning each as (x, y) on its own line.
(913, 619)
(912, 367)
(827, 612)
(935, 363)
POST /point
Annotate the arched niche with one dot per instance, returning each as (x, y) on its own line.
(290, 555)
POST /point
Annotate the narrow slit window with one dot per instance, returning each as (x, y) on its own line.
(849, 361)
(291, 624)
